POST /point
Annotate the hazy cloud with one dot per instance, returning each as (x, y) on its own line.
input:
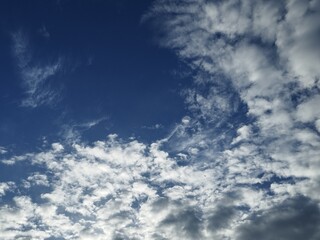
(35, 75)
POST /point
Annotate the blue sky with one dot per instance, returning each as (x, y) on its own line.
(165, 119)
(104, 64)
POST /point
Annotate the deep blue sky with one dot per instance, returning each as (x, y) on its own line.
(112, 68)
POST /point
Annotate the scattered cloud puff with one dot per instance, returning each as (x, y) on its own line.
(35, 75)
(5, 187)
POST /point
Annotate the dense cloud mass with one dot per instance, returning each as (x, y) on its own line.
(243, 165)
(296, 218)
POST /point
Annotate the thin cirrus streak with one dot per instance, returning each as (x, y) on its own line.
(34, 75)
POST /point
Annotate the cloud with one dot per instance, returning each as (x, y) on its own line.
(221, 217)
(153, 127)
(72, 132)
(256, 88)
(5, 187)
(296, 218)
(3, 150)
(185, 224)
(297, 40)
(116, 188)
(35, 75)
(123, 189)
(44, 32)
(308, 111)
(106, 189)
(229, 45)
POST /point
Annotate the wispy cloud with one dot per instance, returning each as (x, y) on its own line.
(3, 150)
(35, 73)
(44, 32)
(73, 131)
(153, 127)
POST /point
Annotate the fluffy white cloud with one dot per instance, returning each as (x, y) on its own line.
(6, 186)
(108, 189)
(308, 111)
(297, 40)
(114, 188)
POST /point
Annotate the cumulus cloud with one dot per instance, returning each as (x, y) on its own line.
(109, 189)
(35, 75)
(5, 187)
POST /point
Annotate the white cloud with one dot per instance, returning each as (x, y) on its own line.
(57, 147)
(309, 111)
(3, 150)
(38, 179)
(5, 187)
(269, 53)
(297, 40)
(115, 187)
(244, 133)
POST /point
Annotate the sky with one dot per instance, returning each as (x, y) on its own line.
(164, 119)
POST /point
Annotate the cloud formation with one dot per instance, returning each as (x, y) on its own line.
(35, 75)
(109, 190)
(263, 132)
